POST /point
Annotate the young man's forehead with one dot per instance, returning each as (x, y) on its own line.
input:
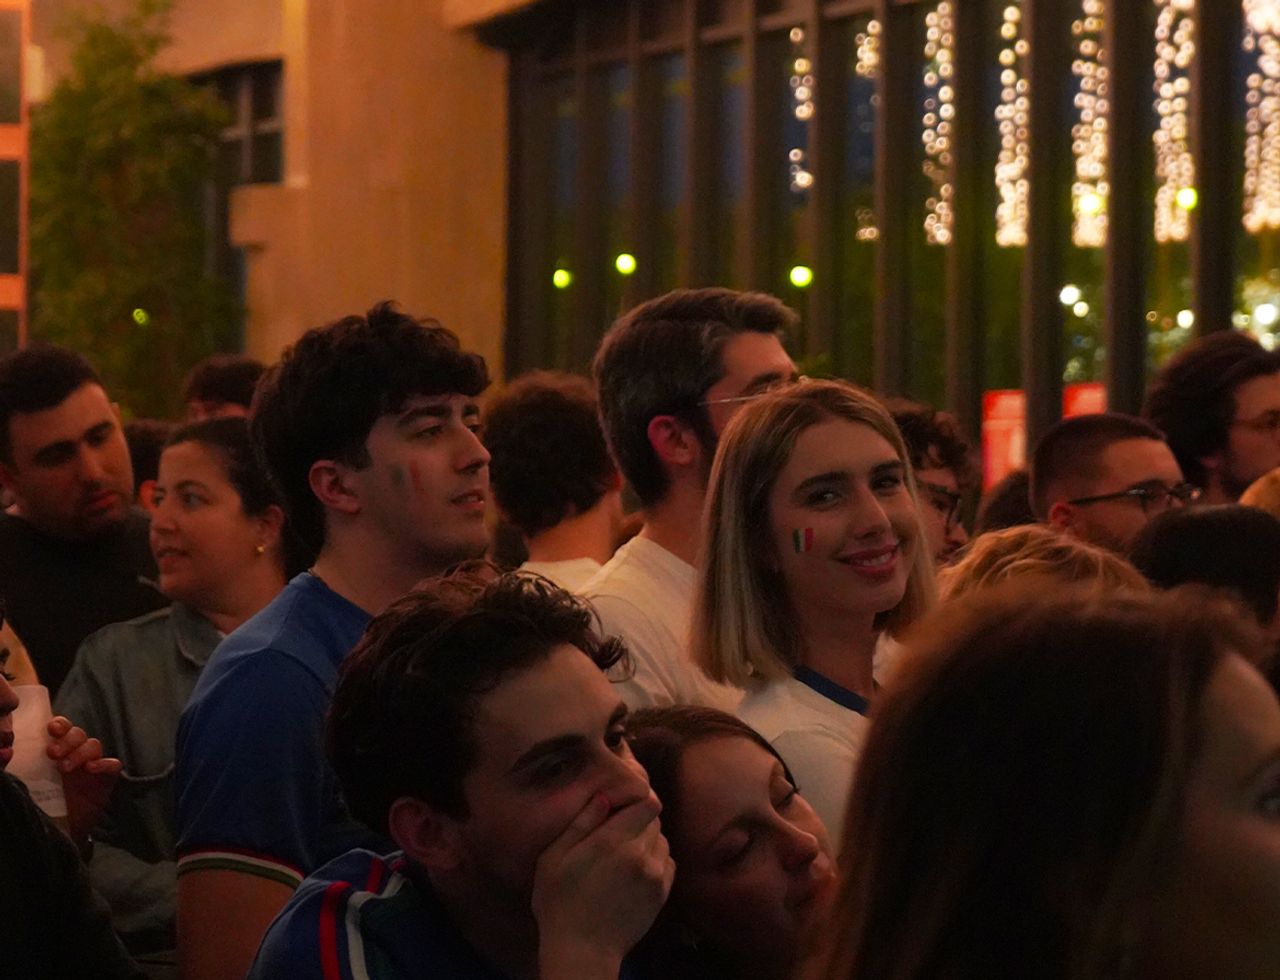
(83, 409)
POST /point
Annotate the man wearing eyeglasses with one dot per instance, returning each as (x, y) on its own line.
(671, 373)
(1218, 404)
(1102, 477)
(944, 473)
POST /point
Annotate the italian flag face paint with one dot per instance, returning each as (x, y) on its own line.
(802, 538)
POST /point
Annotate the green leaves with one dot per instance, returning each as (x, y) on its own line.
(122, 163)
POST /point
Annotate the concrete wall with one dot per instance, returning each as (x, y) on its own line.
(395, 161)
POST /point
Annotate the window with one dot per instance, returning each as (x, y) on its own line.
(251, 152)
(873, 164)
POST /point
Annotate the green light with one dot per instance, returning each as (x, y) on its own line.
(625, 263)
(562, 279)
(801, 276)
(1187, 198)
(141, 317)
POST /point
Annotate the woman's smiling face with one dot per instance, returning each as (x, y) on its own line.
(843, 524)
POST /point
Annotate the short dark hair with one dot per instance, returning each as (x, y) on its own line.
(1006, 504)
(229, 438)
(934, 440)
(35, 379)
(328, 390)
(417, 676)
(548, 455)
(660, 358)
(1192, 398)
(146, 438)
(1229, 547)
(1074, 445)
(225, 378)
(1021, 789)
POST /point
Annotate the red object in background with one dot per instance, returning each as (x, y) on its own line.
(1004, 425)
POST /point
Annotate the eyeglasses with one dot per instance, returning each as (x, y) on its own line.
(944, 500)
(775, 385)
(1151, 496)
(1268, 422)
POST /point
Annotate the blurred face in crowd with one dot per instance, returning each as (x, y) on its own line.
(70, 473)
(843, 524)
(1253, 437)
(551, 738)
(1217, 915)
(203, 541)
(1130, 464)
(427, 487)
(940, 500)
(754, 865)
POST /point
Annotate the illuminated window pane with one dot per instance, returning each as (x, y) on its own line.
(8, 331)
(1258, 92)
(931, 198)
(673, 156)
(853, 352)
(10, 66)
(728, 190)
(9, 178)
(564, 207)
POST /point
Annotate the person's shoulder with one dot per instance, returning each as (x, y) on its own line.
(331, 904)
(132, 639)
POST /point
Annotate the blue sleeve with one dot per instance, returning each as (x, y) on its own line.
(291, 948)
(252, 783)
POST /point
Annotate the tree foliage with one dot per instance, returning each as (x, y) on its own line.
(122, 156)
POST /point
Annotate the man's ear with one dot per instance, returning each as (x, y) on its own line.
(673, 441)
(147, 496)
(1061, 516)
(329, 482)
(428, 837)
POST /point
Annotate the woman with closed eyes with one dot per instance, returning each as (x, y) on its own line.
(813, 546)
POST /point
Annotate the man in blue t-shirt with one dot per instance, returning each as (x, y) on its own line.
(370, 428)
(474, 726)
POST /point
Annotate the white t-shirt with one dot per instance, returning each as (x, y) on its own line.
(818, 737)
(571, 574)
(645, 596)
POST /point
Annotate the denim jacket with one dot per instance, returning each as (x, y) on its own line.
(128, 686)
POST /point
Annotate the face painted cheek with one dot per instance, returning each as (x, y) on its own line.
(802, 540)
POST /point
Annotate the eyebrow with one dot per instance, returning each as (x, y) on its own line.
(182, 484)
(63, 445)
(839, 476)
(765, 377)
(778, 774)
(562, 743)
(443, 411)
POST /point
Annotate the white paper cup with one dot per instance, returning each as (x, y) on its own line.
(31, 762)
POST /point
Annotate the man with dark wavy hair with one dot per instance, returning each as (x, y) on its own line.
(473, 725)
(369, 426)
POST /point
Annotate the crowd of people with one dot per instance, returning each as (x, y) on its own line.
(746, 683)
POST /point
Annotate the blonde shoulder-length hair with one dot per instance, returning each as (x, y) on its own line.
(743, 625)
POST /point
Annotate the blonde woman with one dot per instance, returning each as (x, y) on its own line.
(1018, 553)
(813, 546)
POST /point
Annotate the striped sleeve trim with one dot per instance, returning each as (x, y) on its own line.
(244, 862)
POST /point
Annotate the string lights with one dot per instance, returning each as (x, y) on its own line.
(1013, 115)
(802, 85)
(939, 111)
(1262, 117)
(1175, 166)
(867, 66)
(1090, 189)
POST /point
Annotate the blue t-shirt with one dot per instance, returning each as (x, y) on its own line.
(254, 791)
(365, 916)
